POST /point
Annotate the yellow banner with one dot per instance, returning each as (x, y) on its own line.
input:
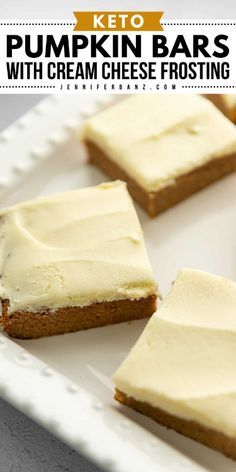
(118, 21)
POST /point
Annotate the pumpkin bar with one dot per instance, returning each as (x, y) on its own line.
(72, 261)
(166, 147)
(181, 372)
(226, 103)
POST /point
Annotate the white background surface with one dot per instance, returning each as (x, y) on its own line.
(23, 445)
(64, 8)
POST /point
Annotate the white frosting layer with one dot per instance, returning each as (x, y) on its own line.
(185, 360)
(157, 138)
(73, 249)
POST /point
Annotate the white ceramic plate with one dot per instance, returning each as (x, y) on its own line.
(63, 382)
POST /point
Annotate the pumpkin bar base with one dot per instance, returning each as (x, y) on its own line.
(27, 325)
(156, 202)
(209, 437)
(219, 102)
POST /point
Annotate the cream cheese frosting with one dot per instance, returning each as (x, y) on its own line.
(73, 249)
(184, 361)
(157, 138)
